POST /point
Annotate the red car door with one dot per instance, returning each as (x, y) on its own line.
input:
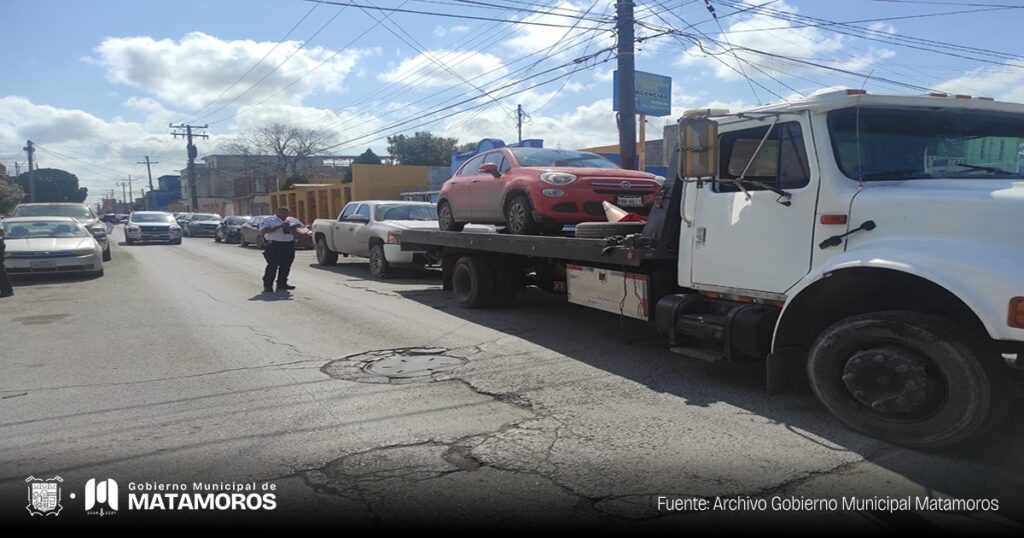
(488, 189)
(460, 189)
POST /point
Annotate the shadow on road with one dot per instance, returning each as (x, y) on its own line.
(986, 467)
(20, 280)
(272, 297)
(359, 268)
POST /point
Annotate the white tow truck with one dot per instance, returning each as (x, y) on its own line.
(871, 246)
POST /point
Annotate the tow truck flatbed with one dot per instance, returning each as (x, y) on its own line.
(552, 247)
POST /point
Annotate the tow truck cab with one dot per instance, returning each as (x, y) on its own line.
(868, 245)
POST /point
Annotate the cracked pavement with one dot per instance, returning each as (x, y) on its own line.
(175, 368)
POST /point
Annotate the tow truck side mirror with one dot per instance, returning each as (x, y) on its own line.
(698, 145)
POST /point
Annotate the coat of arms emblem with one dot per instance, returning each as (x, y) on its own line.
(44, 496)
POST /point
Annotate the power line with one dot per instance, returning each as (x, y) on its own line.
(882, 36)
(449, 15)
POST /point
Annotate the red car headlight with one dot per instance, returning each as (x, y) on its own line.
(557, 178)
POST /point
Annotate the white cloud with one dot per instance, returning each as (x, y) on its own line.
(193, 71)
(1004, 84)
(423, 69)
(98, 151)
(441, 31)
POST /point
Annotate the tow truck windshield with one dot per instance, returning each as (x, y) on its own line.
(878, 144)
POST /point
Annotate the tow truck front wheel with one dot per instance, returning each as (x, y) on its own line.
(909, 378)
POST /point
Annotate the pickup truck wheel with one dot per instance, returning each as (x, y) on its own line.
(446, 218)
(519, 216)
(106, 255)
(324, 255)
(473, 282)
(378, 263)
(909, 378)
(216, 237)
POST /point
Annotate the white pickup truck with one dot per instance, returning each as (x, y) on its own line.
(870, 246)
(370, 229)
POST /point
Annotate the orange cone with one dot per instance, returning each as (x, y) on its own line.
(613, 212)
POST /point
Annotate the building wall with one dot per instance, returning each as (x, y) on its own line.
(369, 182)
(381, 182)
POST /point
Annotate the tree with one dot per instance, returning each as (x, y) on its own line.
(366, 157)
(283, 147)
(54, 185)
(468, 146)
(10, 196)
(423, 148)
(292, 180)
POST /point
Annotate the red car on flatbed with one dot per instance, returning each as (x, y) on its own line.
(537, 190)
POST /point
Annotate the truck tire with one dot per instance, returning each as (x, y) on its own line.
(473, 282)
(324, 255)
(519, 216)
(378, 263)
(600, 230)
(909, 378)
(508, 282)
(446, 218)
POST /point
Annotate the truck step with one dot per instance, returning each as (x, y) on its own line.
(699, 353)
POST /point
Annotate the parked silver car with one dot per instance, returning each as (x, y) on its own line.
(80, 212)
(202, 225)
(51, 245)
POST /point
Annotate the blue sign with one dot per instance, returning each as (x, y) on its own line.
(653, 94)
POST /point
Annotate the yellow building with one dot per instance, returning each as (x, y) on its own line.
(308, 202)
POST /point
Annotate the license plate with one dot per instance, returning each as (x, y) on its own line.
(630, 201)
(44, 264)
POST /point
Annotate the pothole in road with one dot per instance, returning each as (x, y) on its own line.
(402, 365)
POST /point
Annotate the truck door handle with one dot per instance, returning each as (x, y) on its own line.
(475, 181)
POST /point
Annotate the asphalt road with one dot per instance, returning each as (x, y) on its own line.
(175, 368)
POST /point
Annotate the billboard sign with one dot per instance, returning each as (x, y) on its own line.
(653, 94)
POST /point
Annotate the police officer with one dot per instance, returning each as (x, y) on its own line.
(5, 284)
(280, 250)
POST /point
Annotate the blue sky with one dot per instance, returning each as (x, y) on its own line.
(95, 83)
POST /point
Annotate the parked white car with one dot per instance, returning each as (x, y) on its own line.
(51, 245)
(370, 229)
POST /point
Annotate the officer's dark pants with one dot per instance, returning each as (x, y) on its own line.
(5, 284)
(279, 256)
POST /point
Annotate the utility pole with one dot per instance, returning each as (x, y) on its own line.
(131, 194)
(124, 194)
(149, 171)
(520, 116)
(30, 149)
(192, 154)
(627, 84)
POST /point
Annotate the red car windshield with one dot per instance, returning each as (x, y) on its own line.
(543, 157)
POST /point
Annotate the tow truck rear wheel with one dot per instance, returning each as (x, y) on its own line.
(910, 378)
(473, 282)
